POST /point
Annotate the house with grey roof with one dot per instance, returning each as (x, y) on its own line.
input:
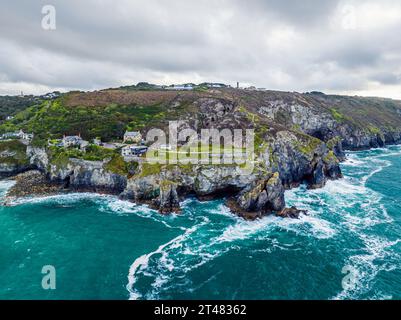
(132, 136)
(74, 141)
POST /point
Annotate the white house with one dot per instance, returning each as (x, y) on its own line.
(97, 141)
(132, 136)
(51, 95)
(133, 151)
(71, 141)
(180, 87)
(74, 141)
(17, 135)
(215, 85)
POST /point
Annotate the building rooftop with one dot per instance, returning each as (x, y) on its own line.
(132, 133)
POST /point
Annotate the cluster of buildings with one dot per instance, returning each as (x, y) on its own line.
(132, 146)
(51, 95)
(16, 135)
(74, 141)
(180, 87)
(209, 85)
(191, 86)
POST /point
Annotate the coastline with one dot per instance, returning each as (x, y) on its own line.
(40, 186)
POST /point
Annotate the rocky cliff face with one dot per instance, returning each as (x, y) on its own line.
(38, 157)
(11, 169)
(259, 198)
(358, 122)
(13, 158)
(92, 175)
(77, 173)
(302, 140)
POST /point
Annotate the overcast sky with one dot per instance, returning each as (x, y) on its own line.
(349, 47)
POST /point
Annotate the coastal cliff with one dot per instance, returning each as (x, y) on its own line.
(13, 158)
(299, 138)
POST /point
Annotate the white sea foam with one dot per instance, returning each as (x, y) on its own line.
(224, 211)
(306, 225)
(365, 269)
(5, 185)
(372, 212)
(143, 261)
(60, 198)
(352, 162)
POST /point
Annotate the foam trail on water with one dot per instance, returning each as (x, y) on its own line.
(143, 261)
(61, 198)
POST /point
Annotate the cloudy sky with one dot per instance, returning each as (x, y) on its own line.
(345, 46)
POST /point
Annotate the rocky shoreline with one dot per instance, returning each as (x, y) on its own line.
(250, 197)
(33, 183)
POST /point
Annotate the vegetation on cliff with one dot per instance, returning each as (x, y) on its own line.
(13, 152)
(12, 105)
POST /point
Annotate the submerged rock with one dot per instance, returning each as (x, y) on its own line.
(292, 213)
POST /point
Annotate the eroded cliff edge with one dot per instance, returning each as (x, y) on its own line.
(300, 138)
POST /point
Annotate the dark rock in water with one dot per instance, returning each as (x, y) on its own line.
(168, 201)
(319, 178)
(260, 198)
(237, 210)
(292, 213)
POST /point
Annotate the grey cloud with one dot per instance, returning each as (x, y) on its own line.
(287, 45)
(300, 13)
(387, 78)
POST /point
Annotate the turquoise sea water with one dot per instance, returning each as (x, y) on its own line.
(104, 248)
